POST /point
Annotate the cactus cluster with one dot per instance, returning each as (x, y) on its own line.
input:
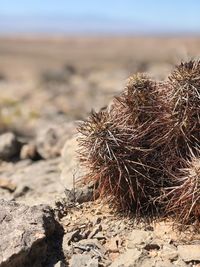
(143, 151)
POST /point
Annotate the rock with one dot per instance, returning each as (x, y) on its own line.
(6, 184)
(21, 190)
(83, 261)
(50, 139)
(59, 264)
(36, 182)
(73, 236)
(138, 238)
(9, 146)
(70, 169)
(23, 234)
(180, 263)
(113, 244)
(91, 245)
(100, 236)
(96, 221)
(95, 231)
(165, 263)
(147, 262)
(152, 247)
(128, 259)
(71, 174)
(80, 194)
(169, 252)
(29, 151)
(67, 249)
(189, 252)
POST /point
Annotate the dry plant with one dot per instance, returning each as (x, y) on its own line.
(134, 149)
(183, 200)
(114, 160)
(185, 106)
(114, 149)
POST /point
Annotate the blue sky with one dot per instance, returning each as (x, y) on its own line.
(103, 16)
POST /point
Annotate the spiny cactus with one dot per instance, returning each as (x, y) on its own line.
(183, 200)
(113, 156)
(185, 105)
(134, 104)
(135, 149)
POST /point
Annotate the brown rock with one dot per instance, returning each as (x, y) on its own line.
(7, 184)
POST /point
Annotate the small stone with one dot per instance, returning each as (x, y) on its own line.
(189, 252)
(80, 195)
(51, 139)
(100, 236)
(152, 246)
(113, 244)
(7, 184)
(128, 259)
(96, 230)
(21, 190)
(169, 252)
(138, 238)
(60, 264)
(29, 151)
(9, 146)
(96, 220)
(90, 244)
(72, 237)
(83, 261)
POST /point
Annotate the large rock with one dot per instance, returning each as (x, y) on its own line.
(9, 146)
(23, 234)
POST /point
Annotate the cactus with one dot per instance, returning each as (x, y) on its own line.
(184, 198)
(137, 150)
(185, 105)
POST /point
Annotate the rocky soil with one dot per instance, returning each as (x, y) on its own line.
(47, 219)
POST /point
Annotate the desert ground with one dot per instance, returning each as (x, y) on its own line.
(47, 86)
(70, 76)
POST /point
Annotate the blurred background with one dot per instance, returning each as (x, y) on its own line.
(59, 59)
